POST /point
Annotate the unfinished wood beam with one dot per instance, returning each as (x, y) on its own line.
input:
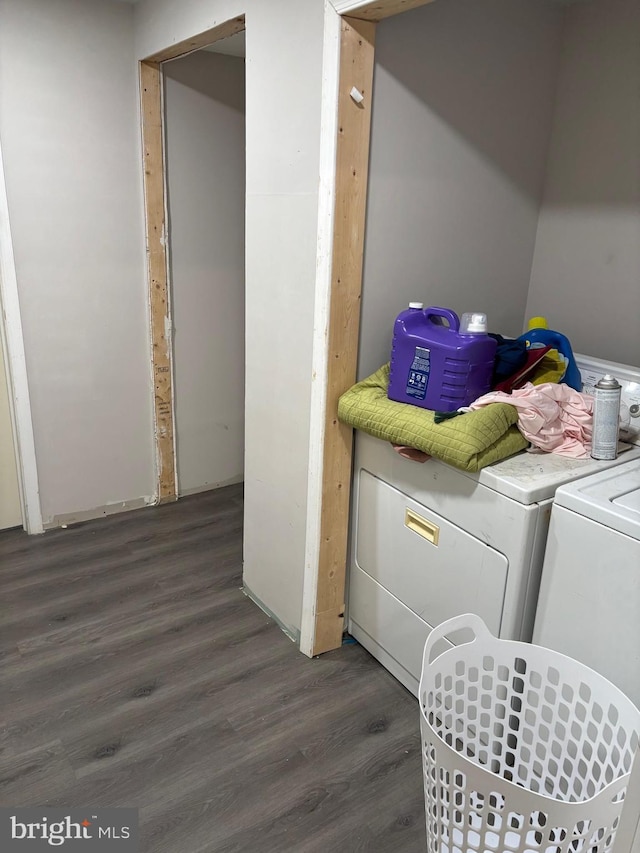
(158, 289)
(182, 48)
(352, 164)
(376, 10)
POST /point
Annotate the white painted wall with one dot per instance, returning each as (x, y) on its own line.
(70, 138)
(463, 103)
(284, 70)
(586, 269)
(205, 155)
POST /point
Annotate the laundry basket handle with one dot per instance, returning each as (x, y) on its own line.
(468, 621)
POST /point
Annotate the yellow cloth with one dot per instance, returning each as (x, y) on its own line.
(550, 369)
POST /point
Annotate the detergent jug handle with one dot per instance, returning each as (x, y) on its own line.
(446, 313)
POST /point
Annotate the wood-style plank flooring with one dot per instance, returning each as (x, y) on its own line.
(135, 672)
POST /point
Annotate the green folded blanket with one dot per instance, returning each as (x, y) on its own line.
(470, 441)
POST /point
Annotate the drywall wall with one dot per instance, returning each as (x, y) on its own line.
(10, 510)
(586, 269)
(284, 73)
(205, 157)
(70, 137)
(463, 103)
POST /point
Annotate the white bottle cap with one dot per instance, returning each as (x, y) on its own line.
(419, 305)
(473, 323)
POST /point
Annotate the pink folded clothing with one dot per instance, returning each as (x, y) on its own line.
(551, 416)
(411, 453)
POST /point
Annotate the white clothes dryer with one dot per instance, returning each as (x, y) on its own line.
(589, 604)
(429, 541)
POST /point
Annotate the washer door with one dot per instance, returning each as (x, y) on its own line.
(432, 566)
(589, 604)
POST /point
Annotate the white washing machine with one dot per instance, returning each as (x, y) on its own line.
(429, 541)
(589, 605)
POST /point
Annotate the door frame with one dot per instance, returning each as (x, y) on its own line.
(16, 369)
(347, 89)
(157, 245)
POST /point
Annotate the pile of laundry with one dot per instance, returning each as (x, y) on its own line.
(469, 442)
(541, 405)
(553, 417)
(553, 414)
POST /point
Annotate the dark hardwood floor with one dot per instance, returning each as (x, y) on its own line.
(135, 672)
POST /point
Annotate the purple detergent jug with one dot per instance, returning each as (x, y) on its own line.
(436, 362)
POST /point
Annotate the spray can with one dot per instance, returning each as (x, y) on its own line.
(606, 418)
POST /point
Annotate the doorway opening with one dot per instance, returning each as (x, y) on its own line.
(204, 122)
(196, 218)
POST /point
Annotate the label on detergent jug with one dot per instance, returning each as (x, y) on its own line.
(418, 378)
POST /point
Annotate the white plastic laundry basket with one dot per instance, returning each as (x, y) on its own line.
(524, 750)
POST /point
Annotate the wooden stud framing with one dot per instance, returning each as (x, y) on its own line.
(155, 194)
(352, 161)
(377, 10)
(160, 317)
(182, 48)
